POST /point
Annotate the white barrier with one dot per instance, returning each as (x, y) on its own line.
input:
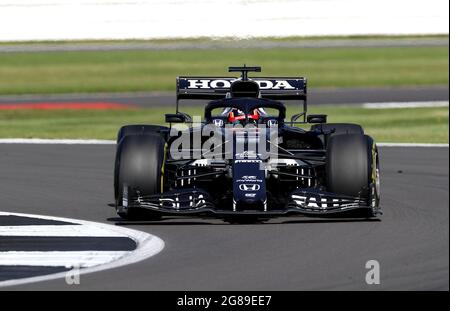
(126, 19)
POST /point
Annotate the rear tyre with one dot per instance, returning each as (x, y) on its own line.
(332, 129)
(353, 169)
(338, 128)
(139, 165)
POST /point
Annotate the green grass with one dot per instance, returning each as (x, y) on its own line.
(128, 71)
(427, 125)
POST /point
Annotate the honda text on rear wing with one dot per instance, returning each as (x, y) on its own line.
(278, 88)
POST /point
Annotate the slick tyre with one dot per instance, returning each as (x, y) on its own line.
(139, 129)
(352, 169)
(139, 165)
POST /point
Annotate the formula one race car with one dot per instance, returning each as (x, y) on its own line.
(243, 158)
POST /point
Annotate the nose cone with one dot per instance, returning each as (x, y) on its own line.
(249, 184)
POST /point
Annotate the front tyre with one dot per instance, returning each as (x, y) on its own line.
(139, 165)
(353, 169)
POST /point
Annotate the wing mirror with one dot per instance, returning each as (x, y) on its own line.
(177, 117)
(316, 118)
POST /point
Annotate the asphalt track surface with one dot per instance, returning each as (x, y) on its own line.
(320, 96)
(410, 241)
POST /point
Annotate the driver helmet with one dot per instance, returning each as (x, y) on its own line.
(237, 116)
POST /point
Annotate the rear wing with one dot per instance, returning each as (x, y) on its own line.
(279, 88)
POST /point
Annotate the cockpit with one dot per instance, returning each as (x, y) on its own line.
(245, 111)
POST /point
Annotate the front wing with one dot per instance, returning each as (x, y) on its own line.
(188, 201)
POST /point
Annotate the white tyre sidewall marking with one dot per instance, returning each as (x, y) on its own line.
(147, 246)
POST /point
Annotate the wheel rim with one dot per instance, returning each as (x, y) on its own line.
(375, 180)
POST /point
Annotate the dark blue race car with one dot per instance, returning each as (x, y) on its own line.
(242, 158)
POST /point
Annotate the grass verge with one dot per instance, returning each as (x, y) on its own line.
(418, 125)
(128, 71)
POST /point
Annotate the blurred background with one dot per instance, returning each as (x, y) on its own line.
(81, 69)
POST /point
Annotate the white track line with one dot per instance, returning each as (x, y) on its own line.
(412, 145)
(60, 259)
(147, 245)
(396, 105)
(43, 141)
(113, 142)
(58, 230)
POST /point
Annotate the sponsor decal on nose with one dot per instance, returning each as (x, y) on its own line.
(249, 187)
